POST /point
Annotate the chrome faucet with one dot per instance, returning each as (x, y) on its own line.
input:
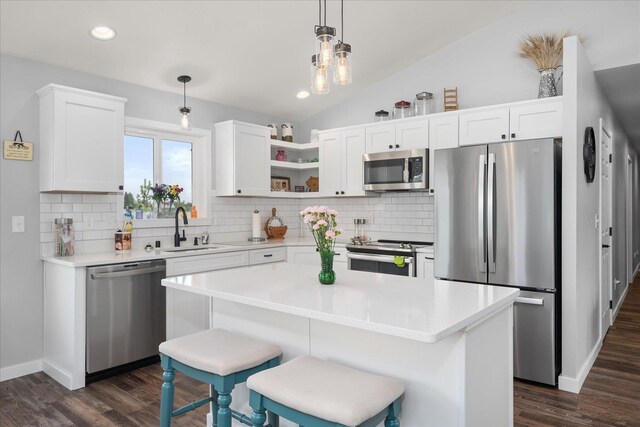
(176, 237)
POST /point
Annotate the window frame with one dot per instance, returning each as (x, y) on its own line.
(200, 140)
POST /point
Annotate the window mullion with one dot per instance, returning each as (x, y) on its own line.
(157, 159)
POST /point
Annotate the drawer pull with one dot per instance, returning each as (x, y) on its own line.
(337, 253)
(530, 301)
(268, 255)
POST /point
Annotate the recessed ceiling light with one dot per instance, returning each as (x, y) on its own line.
(102, 33)
(302, 94)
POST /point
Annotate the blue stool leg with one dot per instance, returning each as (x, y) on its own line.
(392, 416)
(166, 400)
(224, 412)
(214, 406)
(258, 417)
(273, 419)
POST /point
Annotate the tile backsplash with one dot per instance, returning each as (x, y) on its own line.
(95, 218)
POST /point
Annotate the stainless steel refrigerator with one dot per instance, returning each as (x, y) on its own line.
(498, 223)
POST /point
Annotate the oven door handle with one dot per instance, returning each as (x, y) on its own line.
(388, 259)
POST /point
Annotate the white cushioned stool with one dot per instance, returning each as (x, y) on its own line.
(219, 358)
(316, 393)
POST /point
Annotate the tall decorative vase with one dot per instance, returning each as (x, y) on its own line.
(547, 86)
(326, 276)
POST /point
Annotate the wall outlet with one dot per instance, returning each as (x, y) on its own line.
(17, 224)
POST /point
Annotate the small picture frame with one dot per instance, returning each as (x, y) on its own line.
(299, 189)
(280, 183)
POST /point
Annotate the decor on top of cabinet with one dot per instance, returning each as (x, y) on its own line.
(18, 150)
(275, 227)
(423, 103)
(185, 123)
(381, 116)
(545, 50)
(402, 110)
(324, 228)
(287, 132)
(280, 183)
(274, 130)
(451, 99)
(313, 183)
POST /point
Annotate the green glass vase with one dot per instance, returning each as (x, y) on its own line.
(326, 276)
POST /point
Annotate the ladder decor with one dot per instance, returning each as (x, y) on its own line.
(451, 99)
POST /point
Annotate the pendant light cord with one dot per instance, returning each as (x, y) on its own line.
(341, 21)
(184, 92)
(325, 13)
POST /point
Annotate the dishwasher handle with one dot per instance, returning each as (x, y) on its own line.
(126, 273)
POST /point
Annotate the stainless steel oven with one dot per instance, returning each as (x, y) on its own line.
(384, 256)
(397, 170)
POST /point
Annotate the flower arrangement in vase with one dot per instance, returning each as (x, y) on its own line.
(545, 50)
(173, 194)
(324, 228)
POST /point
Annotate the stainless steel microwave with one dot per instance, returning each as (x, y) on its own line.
(397, 170)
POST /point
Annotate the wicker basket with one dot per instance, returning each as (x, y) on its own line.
(275, 232)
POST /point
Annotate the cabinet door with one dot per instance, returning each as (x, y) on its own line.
(484, 127)
(303, 255)
(443, 132)
(353, 147)
(413, 134)
(251, 160)
(381, 138)
(330, 163)
(425, 267)
(88, 144)
(542, 120)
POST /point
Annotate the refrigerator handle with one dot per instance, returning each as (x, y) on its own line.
(482, 253)
(491, 244)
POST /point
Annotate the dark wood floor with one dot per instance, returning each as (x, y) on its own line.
(610, 395)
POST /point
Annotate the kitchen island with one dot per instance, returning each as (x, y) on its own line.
(451, 343)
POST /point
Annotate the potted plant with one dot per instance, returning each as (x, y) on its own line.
(323, 226)
(173, 195)
(159, 196)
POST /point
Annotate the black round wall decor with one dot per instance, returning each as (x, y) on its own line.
(589, 154)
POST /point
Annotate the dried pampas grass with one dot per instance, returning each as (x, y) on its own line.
(545, 50)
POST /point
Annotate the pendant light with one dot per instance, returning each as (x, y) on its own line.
(184, 110)
(342, 73)
(324, 39)
(319, 77)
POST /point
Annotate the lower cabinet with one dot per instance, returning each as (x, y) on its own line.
(425, 266)
(188, 313)
(308, 255)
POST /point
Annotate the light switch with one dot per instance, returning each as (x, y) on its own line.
(17, 224)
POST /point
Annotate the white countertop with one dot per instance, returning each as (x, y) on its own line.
(393, 305)
(103, 258)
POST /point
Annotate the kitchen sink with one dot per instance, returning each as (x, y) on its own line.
(191, 249)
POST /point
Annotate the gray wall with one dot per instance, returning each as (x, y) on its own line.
(21, 302)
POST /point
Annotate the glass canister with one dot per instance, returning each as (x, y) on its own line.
(382, 116)
(402, 110)
(423, 103)
(65, 236)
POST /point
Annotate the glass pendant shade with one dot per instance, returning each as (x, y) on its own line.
(324, 46)
(342, 74)
(319, 78)
(185, 122)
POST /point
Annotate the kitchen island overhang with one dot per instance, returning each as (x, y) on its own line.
(450, 342)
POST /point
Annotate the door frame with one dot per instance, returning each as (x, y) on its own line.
(608, 287)
(629, 218)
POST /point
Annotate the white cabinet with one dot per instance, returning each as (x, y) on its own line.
(443, 132)
(81, 140)
(242, 159)
(188, 313)
(341, 171)
(425, 266)
(484, 127)
(540, 120)
(267, 256)
(380, 137)
(308, 255)
(412, 134)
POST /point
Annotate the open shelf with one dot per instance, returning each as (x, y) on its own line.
(294, 146)
(294, 166)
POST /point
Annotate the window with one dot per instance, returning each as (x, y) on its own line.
(160, 153)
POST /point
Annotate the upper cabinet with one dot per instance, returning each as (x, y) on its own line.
(483, 127)
(541, 118)
(82, 140)
(443, 131)
(242, 159)
(400, 135)
(341, 171)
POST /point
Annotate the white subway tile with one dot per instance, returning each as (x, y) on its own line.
(45, 207)
(101, 207)
(72, 198)
(49, 217)
(50, 198)
(91, 198)
(61, 207)
(81, 207)
(92, 235)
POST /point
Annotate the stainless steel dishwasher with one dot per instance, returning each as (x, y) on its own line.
(126, 312)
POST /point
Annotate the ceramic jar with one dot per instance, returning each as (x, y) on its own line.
(287, 132)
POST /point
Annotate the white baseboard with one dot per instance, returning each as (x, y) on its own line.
(20, 370)
(620, 301)
(635, 273)
(58, 374)
(574, 385)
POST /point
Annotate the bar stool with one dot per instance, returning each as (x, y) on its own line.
(219, 358)
(316, 393)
